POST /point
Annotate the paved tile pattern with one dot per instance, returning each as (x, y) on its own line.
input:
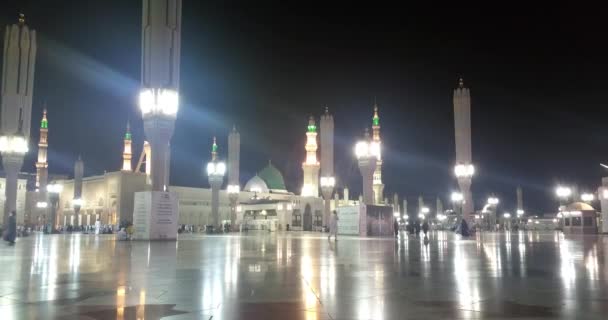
(525, 275)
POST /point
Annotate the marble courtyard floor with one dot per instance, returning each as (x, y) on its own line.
(303, 276)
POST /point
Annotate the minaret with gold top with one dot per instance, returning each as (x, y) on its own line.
(42, 164)
(376, 147)
(311, 166)
(127, 155)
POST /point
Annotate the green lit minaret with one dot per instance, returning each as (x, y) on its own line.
(126, 154)
(377, 146)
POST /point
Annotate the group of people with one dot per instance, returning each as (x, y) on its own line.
(414, 228)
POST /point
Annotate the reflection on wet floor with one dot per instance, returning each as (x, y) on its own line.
(303, 276)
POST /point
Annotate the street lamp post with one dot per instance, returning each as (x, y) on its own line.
(367, 165)
(562, 193)
(327, 189)
(77, 204)
(54, 190)
(457, 199)
(464, 173)
(493, 203)
(233, 195)
(507, 220)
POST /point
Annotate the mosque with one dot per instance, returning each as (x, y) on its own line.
(263, 203)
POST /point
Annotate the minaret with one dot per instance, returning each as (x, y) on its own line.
(126, 154)
(464, 168)
(42, 164)
(215, 173)
(311, 165)
(159, 93)
(377, 147)
(19, 59)
(328, 180)
(233, 188)
(234, 155)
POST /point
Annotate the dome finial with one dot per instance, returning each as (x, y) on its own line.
(128, 133)
(44, 123)
(21, 19)
(366, 133)
(214, 150)
(461, 83)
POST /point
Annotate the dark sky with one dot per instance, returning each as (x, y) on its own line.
(537, 78)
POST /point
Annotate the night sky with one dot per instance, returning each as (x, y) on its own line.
(538, 80)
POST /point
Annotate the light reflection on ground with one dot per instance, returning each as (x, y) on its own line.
(303, 276)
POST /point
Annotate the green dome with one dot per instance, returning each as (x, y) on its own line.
(273, 177)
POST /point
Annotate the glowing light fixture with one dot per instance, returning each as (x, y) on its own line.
(13, 144)
(54, 188)
(457, 197)
(493, 201)
(328, 182)
(41, 204)
(563, 192)
(464, 170)
(520, 212)
(587, 197)
(78, 202)
(506, 215)
(425, 210)
(233, 189)
(159, 102)
(362, 149)
(216, 168)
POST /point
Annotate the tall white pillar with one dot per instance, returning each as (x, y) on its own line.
(78, 175)
(234, 158)
(603, 195)
(367, 161)
(520, 199)
(464, 169)
(328, 179)
(17, 92)
(159, 95)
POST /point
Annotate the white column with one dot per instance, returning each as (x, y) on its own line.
(19, 60)
(603, 195)
(367, 166)
(159, 96)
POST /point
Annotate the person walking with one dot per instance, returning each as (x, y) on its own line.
(97, 226)
(396, 227)
(11, 229)
(333, 226)
(425, 227)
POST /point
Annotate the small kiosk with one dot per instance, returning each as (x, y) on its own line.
(579, 218)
